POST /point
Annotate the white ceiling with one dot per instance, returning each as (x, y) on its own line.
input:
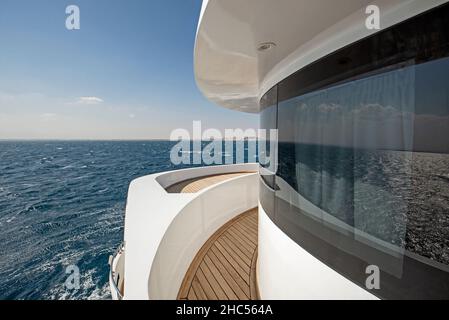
(231, 71)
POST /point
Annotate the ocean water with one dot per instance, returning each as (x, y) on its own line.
(399, 197)
(62, 204)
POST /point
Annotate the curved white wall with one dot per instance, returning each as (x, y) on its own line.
(163, 231)
(287, 271)
(191, 228)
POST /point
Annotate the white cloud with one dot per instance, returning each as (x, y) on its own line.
(90, 100)
(5, 97)
(48, 116)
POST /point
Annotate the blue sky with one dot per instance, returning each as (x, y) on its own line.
(126, 74)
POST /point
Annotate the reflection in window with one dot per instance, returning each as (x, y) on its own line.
(363, 162)
(347, 158)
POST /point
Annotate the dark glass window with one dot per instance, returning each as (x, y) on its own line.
(363, 153)
(268, 141)
(267, 154)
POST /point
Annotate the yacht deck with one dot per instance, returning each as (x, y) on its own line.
(225, 267)
(200, 183)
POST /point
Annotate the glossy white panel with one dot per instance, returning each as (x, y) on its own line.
(287, 271)
(229, 69)
(191, 228)
(151, 211)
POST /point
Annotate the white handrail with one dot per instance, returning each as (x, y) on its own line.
(113, 275)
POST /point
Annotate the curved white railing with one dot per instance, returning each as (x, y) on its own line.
(116, 272)
(164, 231)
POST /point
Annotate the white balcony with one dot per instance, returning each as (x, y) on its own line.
(169, 217)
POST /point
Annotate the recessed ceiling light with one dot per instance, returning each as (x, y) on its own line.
(265, 46)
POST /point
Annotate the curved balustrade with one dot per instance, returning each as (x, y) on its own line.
(164, 231)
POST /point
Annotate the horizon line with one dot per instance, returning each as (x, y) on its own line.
(100, 139)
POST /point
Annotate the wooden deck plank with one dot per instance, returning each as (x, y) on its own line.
(238, 253)
(231, 275)
(219, 277)
(250, 239)
(224, 256)
(251, 224)
(192, 295)
(254, 290)
(197, 184)
(243, 247)
(252, 219)
(225, 267)
(247, 229)
(201, 295)
(232, 256)
(219, 292)
(204, 283)
(238, 286)
(242, 239)
(246, 235)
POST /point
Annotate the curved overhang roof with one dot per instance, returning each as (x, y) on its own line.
(232, 72)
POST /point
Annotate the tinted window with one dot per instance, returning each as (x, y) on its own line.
(363, 176)
(267, 154)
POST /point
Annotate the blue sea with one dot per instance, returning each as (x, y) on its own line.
(62, 204)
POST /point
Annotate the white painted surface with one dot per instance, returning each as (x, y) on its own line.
(231, 72)
(287, 271)
(117, 270)
(155, 217)
(193, 225)
(114, 294)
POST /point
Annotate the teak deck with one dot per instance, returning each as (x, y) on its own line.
(198, 184)
(225, 267)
